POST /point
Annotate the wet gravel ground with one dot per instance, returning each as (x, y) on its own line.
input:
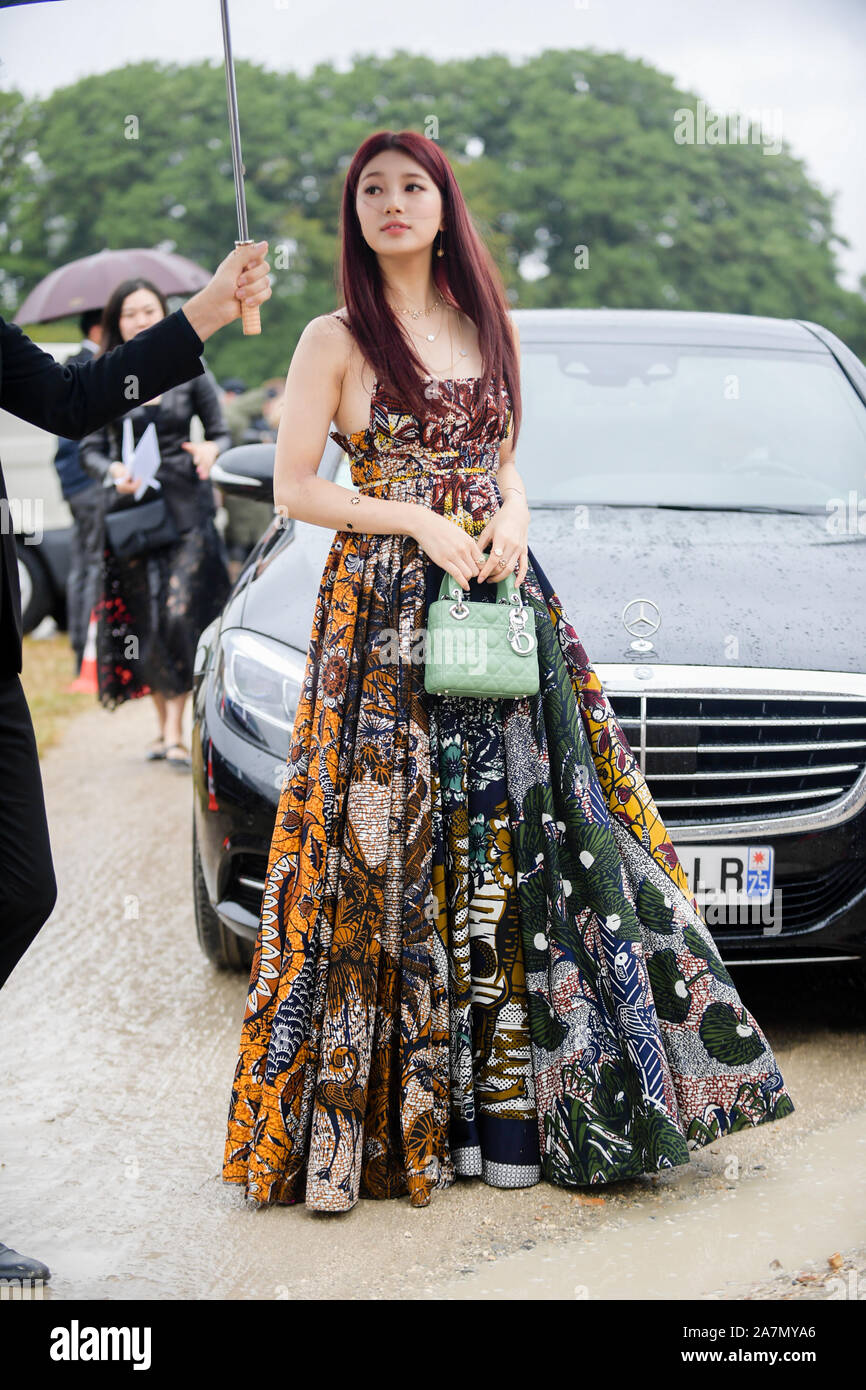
(119, 1043)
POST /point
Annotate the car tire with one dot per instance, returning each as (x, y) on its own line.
(36, 598)
(223, 948)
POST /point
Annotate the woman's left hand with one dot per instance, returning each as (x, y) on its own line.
(204, 455)
(506, 531)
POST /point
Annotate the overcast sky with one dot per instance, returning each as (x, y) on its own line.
(800, 61)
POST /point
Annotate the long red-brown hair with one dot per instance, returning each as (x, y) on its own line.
(466, 277)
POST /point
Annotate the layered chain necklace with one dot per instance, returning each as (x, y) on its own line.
(431, 337)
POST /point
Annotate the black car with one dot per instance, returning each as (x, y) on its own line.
(694, 481)
(43, 566)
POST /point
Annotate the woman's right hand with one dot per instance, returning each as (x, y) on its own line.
(448, 546)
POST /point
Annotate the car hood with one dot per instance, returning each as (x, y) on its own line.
(731, 588)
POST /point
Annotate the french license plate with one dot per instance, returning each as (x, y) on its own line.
(734, 874)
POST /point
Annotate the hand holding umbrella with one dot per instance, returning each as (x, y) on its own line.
(240, 279)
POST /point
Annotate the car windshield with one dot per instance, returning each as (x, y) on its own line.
(725, 427)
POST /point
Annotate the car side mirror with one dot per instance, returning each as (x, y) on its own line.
(246, 471)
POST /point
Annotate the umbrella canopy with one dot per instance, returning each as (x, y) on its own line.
(88, 282)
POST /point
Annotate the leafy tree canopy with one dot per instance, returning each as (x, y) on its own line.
(566, 150)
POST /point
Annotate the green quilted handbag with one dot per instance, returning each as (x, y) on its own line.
(481, 649)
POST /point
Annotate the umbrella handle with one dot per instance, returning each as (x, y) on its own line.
(250, 316)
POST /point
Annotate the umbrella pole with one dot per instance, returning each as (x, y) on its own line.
(250, 317)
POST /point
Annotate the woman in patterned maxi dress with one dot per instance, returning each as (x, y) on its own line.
(478, 952)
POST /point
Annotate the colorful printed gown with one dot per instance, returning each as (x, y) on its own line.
(478, 952)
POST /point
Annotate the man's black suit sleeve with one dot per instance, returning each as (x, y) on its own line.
(75, 400)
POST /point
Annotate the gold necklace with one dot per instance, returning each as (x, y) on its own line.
(451, 364)
(425, 313)
(417, 313)
(429, 337)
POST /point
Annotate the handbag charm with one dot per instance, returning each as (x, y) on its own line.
(517, 634)
(480, 649)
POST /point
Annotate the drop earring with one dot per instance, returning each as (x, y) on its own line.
(440, 252)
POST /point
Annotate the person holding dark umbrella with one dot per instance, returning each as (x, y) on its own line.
(72, 401)
(153, 605)
(85, 499)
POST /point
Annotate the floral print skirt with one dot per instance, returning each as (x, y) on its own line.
(478, 954)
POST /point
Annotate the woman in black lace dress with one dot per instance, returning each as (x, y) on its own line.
(153, 607)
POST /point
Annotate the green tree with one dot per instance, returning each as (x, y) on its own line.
(569, 149)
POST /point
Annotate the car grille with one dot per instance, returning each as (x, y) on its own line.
(742, 756)
(813, 897)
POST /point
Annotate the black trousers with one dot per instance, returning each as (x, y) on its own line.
(84, 578)
(28, 889)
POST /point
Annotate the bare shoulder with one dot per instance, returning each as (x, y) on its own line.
(327, 342)
(515, 331)
(338, 322)
(327, 328)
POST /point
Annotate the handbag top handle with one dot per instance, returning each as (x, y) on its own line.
(505, 588)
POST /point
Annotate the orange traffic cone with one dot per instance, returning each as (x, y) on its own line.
(87, 680)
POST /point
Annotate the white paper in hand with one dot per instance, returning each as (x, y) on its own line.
(143, 460)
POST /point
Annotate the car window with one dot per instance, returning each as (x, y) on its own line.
(688, 425)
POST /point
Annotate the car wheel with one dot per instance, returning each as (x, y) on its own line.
(36, 600)
(222, 947)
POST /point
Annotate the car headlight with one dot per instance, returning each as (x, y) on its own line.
(257, 682)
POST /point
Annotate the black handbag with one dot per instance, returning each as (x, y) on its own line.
(139, 527)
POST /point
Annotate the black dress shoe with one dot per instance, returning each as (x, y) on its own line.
(15, 1266)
